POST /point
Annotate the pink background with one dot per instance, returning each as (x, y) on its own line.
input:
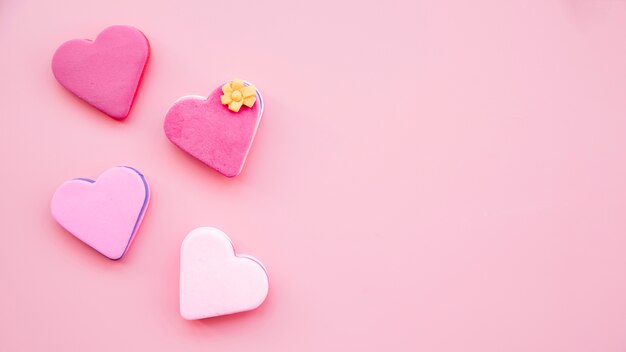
(428, 176)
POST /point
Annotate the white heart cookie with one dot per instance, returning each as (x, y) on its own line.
(214, 281)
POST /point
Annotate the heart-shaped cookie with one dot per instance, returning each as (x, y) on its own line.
(106, 72)
(211, 131)
(213, 280)
(105, 213)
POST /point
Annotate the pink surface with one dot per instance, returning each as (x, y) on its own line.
(206, 129)
(104, 213)
(105, 72)
(213, 280)
(428, 176)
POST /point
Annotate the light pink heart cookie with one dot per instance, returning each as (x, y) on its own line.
(209, 131)
(213, 280)
(106, 213)
(106, 72)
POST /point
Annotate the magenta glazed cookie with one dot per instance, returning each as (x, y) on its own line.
(217, 130)
(105, 72)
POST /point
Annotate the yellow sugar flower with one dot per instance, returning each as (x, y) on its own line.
(236, 93)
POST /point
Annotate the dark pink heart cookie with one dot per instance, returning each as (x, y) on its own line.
(207, 129)
(106, 72)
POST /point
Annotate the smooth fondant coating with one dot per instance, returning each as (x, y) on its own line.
(106, 72)
(210, 132)
(213, 280)
(106, 213)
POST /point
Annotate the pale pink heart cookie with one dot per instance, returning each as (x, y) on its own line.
(106, 72)
(213, 280)
(208, 130)
(105, 213)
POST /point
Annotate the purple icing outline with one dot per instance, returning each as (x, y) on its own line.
(141, 212)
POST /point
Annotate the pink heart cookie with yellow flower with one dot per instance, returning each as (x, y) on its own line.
(217, 130)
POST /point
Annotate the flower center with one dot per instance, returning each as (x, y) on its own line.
(236, 96)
